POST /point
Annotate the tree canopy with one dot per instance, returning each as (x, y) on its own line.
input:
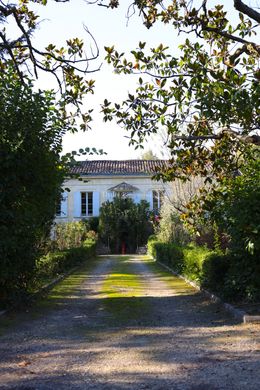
(68, 64)
(206, 98)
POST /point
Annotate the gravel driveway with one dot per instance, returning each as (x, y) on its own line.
(129, 325)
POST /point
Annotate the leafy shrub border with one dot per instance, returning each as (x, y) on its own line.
(56, 263)
(234, 278)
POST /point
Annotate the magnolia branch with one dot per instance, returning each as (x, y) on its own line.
(249, 11)
(41, 59)
(249, 139)
(231, 37)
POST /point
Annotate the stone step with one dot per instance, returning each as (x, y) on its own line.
(141, 250)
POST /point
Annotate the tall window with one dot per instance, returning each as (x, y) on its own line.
(157, 199)
(59, 211)
(58, 208)
(87, 203)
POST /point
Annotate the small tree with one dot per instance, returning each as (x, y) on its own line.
(124, 223)
(171, 228)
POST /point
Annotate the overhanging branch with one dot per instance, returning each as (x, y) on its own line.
(245, 9)
(248, 139)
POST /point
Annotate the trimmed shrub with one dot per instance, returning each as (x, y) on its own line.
(169, 254)
(214, 270)
(193, 259)
(56, 263)
(150, 245)
(233, 277)
(242, 281)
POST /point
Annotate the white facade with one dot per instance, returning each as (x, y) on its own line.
(87, 195)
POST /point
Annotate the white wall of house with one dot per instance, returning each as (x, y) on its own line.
(99, 185)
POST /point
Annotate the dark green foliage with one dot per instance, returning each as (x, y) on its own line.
(93, 223)
(122, 222)
(30, 178)
(56, 263)
(242, 280)
(234, 207)
(232, 277)
(169, 254)
(215, 268)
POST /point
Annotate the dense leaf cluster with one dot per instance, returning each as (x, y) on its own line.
(124, 224)
(205, 97)
(231, 276)
(31, 173)
(233, 207)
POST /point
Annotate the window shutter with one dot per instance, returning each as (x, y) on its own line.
(109, 196)
(149, 198)
(77, 204)
(95, 204)
(137, 198)
(64, 205)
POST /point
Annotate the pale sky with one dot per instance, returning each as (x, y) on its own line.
(65, 20)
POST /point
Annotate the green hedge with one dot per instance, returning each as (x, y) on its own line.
(232, 277)
(169, 254)
(56, 263)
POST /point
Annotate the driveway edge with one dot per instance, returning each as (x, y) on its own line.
(239, 314)
(44, 289)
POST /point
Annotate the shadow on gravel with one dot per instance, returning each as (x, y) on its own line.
(138, 358)
(86, 340)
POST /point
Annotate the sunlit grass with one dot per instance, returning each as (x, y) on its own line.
(123, 291)
(179, 285)
(122, 282)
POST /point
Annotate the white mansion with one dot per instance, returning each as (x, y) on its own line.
(100, 180)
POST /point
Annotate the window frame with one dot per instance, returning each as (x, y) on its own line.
(86, 203)
(157, 195)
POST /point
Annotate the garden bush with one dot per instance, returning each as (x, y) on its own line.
(93, 223)
(171, 227)
(70, 234)
(242, 280)
(56, 263)
(150, 245)
(233, 277)
(169, 254)
(193, 259)
(214, 271)
(31, 175)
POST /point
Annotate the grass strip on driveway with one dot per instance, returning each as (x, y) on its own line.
(124, 291)
(179, 285)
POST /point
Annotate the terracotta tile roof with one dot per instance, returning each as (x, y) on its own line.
(119, 167)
